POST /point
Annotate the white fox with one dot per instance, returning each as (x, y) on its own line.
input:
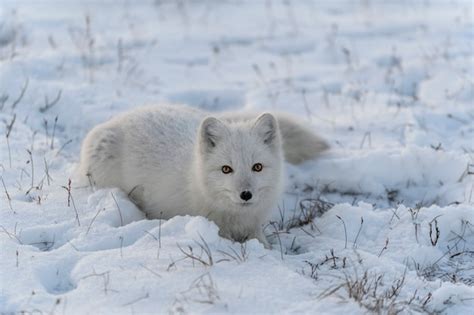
(176, 160)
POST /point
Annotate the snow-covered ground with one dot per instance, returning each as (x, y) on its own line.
(383, 223)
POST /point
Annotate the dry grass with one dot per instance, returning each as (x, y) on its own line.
(373, 292)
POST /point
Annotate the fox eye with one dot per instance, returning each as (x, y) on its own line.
(257, 167)
(226, 169)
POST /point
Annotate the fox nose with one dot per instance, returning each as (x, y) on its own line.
(246, 195)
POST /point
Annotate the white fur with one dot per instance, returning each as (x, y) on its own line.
(169, 159)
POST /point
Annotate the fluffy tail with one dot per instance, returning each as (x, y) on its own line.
(299, 142)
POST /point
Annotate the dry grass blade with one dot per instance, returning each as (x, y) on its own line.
(22, 93)
(193, 257)
(8, 195)
(205, 257)
(358, 232)
(48, 104)
(345, 230)
(7, 136)
(70, 200)
(239, 257)
(118, 209)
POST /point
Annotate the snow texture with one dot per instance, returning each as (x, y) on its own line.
(383, 223)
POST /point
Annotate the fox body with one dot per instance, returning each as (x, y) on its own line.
(176, 160)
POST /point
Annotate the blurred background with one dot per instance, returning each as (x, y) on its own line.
(361, 67)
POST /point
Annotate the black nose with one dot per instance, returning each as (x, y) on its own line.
(246, 195)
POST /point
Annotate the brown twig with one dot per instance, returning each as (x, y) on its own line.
(118, 208)
(8, 195)
(7, 135)
(345, 230)
(32, 169)
(47, 104)
(54, 132)
(70, 200)
(22, 93)
(384, 248)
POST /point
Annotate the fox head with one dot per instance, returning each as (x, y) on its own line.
(240, 162)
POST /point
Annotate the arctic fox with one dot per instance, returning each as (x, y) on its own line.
(176, 160)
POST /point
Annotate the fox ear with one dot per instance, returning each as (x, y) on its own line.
(266, 127)
(211, 132)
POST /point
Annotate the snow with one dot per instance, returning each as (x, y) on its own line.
(391, 205)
